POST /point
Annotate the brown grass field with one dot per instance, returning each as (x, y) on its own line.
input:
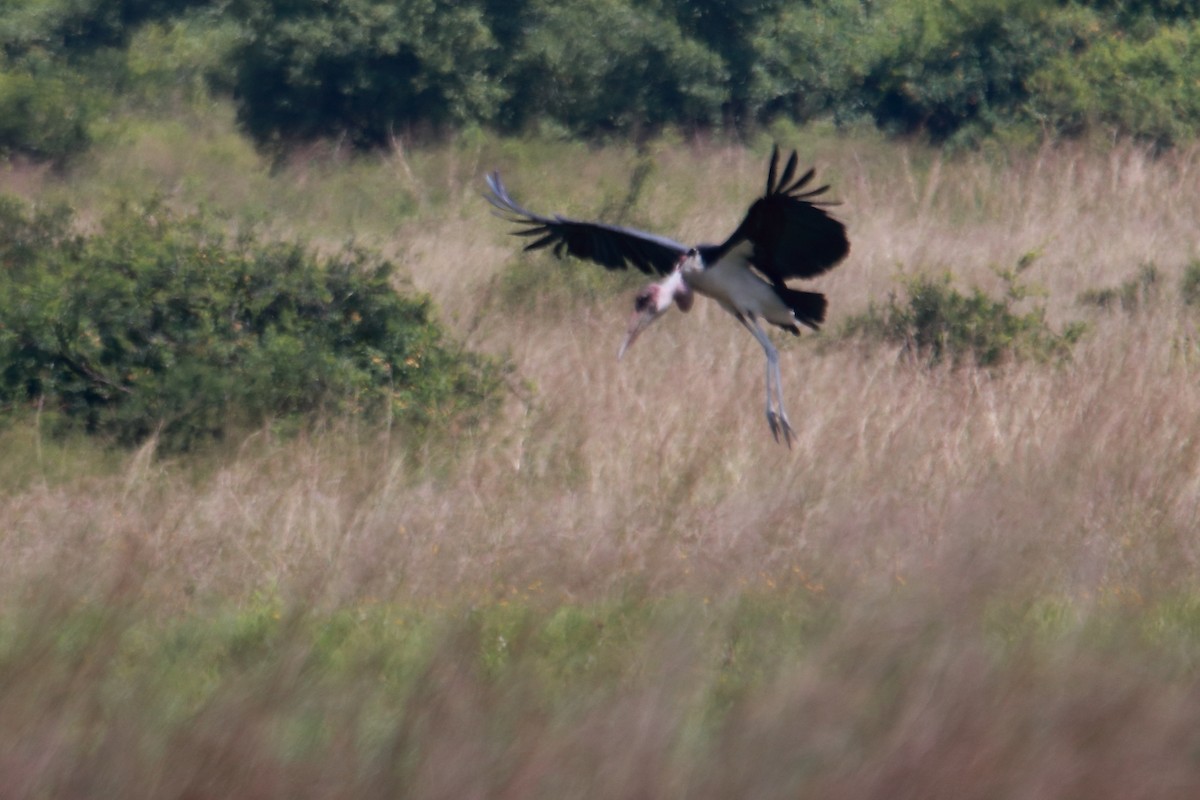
(959, 584)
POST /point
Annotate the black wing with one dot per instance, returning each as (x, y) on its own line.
(791, 234)
(611, 246)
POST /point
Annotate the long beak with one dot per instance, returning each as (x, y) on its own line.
(637, 323)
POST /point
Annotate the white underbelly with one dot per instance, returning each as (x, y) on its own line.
(740, 291)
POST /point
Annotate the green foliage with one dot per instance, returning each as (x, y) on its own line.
(44, 113)
(936, 323)
(955, 70)
(807, 60)
(63, 66)
(268, 699)
(363, 68)
(1149, 88)
(179, 62)
(1131, 13)
(735, 32)
(157, 324)
(79, 26)
(1131, 295)
(634, 69)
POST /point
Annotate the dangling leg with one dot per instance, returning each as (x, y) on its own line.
(772, 420)
(778, 422)
(783, 417)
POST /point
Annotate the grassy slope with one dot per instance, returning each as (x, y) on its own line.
(957, 585)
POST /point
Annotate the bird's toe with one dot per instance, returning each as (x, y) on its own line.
(775, 423)
(780, 426)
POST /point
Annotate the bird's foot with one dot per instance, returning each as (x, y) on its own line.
(780, 425)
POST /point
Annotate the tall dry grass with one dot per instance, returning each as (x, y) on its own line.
(996, 566)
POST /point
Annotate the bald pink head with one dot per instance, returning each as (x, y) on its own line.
(652, 302)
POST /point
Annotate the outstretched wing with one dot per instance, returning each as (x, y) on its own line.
(611, 246)
(791, 234)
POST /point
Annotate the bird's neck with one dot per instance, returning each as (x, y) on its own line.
(676, 288)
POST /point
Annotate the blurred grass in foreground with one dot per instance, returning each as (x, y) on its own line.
(766, 693)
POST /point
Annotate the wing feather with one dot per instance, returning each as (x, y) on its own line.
(789, 170)
(545, 241)
(610, 246)
(791, 233)
(771, 169)
(805, 178)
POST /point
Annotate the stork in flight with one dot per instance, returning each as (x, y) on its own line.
(786, 234)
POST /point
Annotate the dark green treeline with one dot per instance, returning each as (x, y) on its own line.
(954, 71)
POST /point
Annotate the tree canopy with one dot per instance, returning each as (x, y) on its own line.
(953, 71)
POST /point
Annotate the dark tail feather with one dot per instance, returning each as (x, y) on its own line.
(809, 307)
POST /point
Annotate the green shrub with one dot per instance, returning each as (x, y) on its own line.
(936, 323)
(1131, 295)
(157, 324)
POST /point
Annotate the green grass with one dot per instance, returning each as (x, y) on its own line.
(365, 696)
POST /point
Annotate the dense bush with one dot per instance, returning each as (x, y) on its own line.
(806, 61)
(43, 114)
(936, 323)
(63, 66)
(75, 27)
(158, 324)
(363, 68)
(951, 70)
(1149, 87)
(634, 69)
(959, 70)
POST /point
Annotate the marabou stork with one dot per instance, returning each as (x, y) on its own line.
(786, 234)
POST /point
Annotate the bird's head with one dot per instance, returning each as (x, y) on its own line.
(652, 302)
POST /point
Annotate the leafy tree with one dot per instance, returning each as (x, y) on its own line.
(73, 27)
(610, 65)
(1128, 13)
(363, 68)
(807, 60)
(61, 64)
(733, 31)
(1148, 88)
(956, 70)
(950, 70)
(44, 113)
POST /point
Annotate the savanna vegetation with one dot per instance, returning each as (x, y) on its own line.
(314, 485)
(364, 71)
